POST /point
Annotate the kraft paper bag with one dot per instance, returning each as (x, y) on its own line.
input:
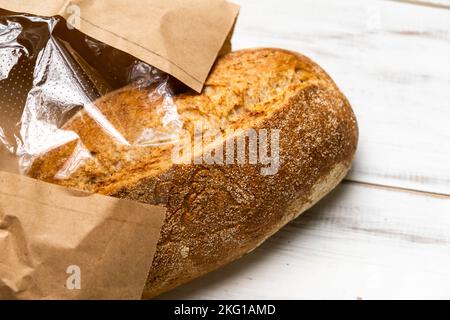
(180, 37)
(56, 243)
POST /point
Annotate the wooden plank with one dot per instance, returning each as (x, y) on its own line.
(359, 243)
(392, 61)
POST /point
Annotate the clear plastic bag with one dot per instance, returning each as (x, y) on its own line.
(50, 73)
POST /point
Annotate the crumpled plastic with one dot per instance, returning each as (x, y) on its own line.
(49, 72)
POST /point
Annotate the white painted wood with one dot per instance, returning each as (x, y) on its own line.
(391, 59)
(361, 242)
(435, 3)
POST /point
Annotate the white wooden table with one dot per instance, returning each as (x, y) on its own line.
(385, 231)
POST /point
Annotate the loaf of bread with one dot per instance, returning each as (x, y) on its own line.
(215, 212)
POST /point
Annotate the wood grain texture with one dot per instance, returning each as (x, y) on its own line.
(360, 243)
(391, 59)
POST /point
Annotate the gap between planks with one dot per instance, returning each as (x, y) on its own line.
(398, 189)
(434, 4)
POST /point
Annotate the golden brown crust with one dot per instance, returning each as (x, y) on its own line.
(217, 213)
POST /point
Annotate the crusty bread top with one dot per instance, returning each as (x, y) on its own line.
(133, 137)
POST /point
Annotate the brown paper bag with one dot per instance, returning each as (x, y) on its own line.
(180, 37)
(61, 244)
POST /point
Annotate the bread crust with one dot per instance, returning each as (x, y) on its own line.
(217, 213)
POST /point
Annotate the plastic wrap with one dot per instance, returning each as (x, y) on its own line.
(49, 73)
